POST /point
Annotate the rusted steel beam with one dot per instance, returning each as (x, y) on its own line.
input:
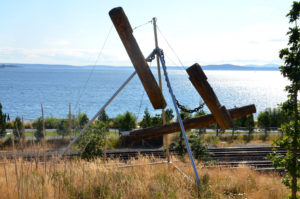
(124, 30)
(192, 123)
(199, 80)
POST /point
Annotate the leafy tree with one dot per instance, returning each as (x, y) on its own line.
(92, 141)
(82, 119)
(169, 115)
(147, 120)
(51, 122)
(250, 123)
(39, 129)
(2, 122)
(277, 116)
(291, 70)
(179, 146)
(264, 121)
(103, 117)
(125, 122)
(18, 128)
(63, 128)
(201, 112)
(157, 120)
(198, 146)
(185, 115)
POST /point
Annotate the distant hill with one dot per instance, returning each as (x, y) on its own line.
(8, 66)
(267, 67)
(236, 67)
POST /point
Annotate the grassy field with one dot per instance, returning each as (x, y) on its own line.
(98, 179)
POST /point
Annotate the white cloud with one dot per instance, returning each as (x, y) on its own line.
(253, 44)
(258, 43)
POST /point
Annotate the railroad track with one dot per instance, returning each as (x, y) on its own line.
(254, 157)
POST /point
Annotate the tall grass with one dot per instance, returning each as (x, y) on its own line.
(99, 179)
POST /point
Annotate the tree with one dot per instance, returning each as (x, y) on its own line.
(291, 71)
(250, 123)
(276, 115)
(2, 122)
(264, 121)
(157, 120)
(39, 129)
(147, 120)
(63, 128)
(82, 119)
(92, 141)
(201, 112)
(169, 115)
(198, 146)
(103, 117)
(179, 146)
(125, 122)
(18, 129)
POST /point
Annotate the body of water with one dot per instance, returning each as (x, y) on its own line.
(23, 89)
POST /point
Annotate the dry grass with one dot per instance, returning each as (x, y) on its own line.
(98, 179)
(228, 140)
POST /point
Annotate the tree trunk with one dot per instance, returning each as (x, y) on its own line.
(295, 147)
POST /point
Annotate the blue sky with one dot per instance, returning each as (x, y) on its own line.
(208, 32)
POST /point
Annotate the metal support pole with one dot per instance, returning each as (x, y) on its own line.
(165, 137)
(178, 114)
(98, 113)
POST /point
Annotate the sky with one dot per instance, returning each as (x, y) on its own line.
(76, 32)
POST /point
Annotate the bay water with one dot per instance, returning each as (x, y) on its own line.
(23, 89)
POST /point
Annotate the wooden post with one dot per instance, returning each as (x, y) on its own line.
(199, 80)
(23, 134)
(43, 124)
(70, 121)
(192, 123)
(124, 30)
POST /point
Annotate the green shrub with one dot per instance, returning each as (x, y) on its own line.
(125, 122)
(10, 125)
(18, 128)
(63, 128)
(2, 122)
(51, 122)
(91, 142)
(179, 146)
(198, 146)
(38, 134)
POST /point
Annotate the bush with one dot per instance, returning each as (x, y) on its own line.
(63, 128)
(28, 125)
(2, 122)
(196, 142)
(198, 146)
(51, 122)
(82, 119)
(18, 129)
(179, 146)
(103, 117)
(10, 125)
(39, 129)
(125, 122)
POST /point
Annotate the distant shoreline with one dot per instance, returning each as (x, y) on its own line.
(229, 67)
